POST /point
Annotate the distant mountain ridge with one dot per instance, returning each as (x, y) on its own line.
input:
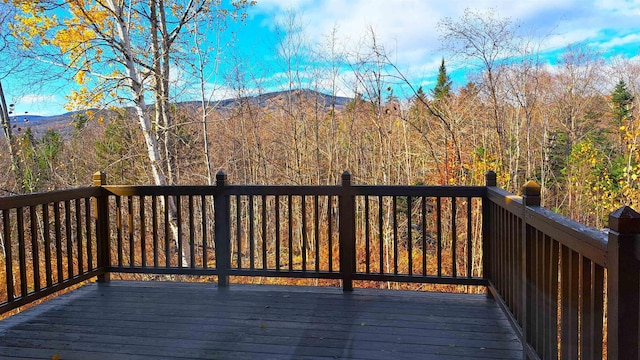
(267, 99)
(40, 124)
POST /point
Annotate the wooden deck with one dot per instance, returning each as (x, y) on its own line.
(169, 320)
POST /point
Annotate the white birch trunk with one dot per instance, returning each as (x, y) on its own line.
(151, 142)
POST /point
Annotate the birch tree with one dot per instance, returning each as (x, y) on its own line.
(120, 51)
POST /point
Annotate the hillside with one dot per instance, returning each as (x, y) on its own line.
(64, 122)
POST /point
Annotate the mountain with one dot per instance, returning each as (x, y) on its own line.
(27, 120)
(275, 99)
(64, 122)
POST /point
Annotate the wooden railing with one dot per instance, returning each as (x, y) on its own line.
(548, 273)
(347, 232)
(49, 243)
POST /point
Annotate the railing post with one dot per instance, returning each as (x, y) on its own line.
(347, 232)
(222, 230)
(491, 178)
(490, 181)
(102, 228)
(530, 197)
(623, 276)
(531, 193)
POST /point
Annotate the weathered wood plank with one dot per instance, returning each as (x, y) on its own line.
(141, 320)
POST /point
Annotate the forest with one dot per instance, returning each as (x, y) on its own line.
(572, 126)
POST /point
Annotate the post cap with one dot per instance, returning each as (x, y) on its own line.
(491, 178)
(221, 178)
(531, 193)
(531, 188)
(99, 178)
(346, 178)
(625, 219)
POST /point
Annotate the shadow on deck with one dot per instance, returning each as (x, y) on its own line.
(168, 320)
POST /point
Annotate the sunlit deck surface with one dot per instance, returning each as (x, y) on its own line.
(173, 320)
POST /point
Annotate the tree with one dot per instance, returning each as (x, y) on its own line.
(621, 109)
(40, 159)
(522, 92)
(16, 168)
(486, 40)
(120, 52)
(622, 101)
(118, 150)
(442, 90)
(8, 65)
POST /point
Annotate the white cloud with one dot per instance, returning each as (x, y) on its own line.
(37, 104)
(30, 99)
(620, 41)
(561, 40)
(631, 7)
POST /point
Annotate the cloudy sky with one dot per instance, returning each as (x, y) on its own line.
(409, 31)
(410, 27)
(412, 24)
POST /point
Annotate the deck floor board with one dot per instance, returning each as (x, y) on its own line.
(173, 320)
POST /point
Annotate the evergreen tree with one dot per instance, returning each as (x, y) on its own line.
(442, 89)
(622, 100)
(40, 159)
(420, 97)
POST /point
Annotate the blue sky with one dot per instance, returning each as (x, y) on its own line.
(408, 30)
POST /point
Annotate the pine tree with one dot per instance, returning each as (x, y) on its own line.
(622, 100)
(621, 103)
(420, 97)
(442, 89)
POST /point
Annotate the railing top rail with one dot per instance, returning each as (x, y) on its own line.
(299, 190)
(590, 242)
(16, 201)
(505, 199)
(296, 190)
(420, 190)
(155, 190)
(125, 190)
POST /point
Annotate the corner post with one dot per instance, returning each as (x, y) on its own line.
(623, 283)
(222, 230)
(347, 232)
(487, 236)
(530, 197)
(102, 228)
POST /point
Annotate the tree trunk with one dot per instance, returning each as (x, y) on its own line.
(150, 137)
(6, 126)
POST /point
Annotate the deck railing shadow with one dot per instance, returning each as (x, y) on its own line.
(556, 279)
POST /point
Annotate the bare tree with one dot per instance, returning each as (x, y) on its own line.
(486, 40)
